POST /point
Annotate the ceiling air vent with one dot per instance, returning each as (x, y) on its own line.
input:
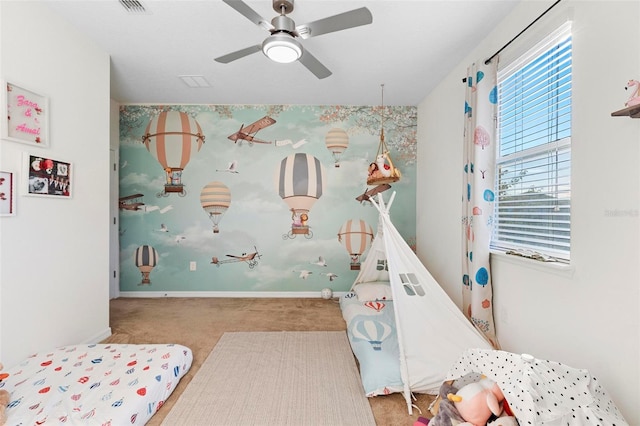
(134, 7)
(194, 81)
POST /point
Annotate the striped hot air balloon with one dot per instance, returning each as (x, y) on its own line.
(356, 237)
(172, 138)
(337, 142)
(145, 258)
(215, 199)
(300, 181)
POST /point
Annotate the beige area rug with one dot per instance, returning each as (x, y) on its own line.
(275, 378)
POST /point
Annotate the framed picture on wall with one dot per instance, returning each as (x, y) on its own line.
(47, 177)
(26, 115)
(7, 194)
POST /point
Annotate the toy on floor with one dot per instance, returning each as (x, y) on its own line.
(478, 401)
(422, 421)
(504, 421)
(447, 414)
(4, 399)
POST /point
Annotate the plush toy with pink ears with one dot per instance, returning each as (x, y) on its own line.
(477, 401)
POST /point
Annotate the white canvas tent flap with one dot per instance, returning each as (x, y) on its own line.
(432, 331)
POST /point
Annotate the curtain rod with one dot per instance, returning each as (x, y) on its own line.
(520, 33)
(486, 62)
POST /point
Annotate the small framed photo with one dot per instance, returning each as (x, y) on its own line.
(26, 115)
(47, 177)
(7, 194)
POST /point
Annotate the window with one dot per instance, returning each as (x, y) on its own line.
(533, 165)
(411, 284)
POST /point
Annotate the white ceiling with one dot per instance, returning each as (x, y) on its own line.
(409, 47)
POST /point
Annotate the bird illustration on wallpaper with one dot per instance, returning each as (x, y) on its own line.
(330, 275)
(250, 259)
(304, 273)
(215, 199)
(172, 137)
(356, 236)
(163, 228)
(248, 133)
(336, 141)
(232, 167)
(320, 261)
(300, 182)
(145, 258)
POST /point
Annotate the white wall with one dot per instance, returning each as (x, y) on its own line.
(54, 254)
(586, 316)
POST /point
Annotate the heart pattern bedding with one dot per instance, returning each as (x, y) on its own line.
(96, 384)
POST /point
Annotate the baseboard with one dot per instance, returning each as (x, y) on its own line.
(252, 294)
(99, 337)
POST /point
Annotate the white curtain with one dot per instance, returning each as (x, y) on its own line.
(478, 195)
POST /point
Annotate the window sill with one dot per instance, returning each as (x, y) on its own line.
(557, 268)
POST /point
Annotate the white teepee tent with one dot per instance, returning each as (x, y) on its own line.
(432, 331)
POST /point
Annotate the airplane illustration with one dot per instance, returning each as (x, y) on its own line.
(250, 258)
(248, 133)
(131, 202)
(367, 194)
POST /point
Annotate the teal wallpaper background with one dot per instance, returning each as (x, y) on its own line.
(257, 218)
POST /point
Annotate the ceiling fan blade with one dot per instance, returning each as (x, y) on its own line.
(314, 65)
(342, 21)
(225, 59)
(244, 9)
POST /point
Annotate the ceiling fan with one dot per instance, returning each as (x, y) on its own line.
(282, 46)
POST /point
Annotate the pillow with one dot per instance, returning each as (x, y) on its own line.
(380, 290)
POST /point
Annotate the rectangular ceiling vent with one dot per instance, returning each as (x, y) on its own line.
(134, 7)
(194, 81)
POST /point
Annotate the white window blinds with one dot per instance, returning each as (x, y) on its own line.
(533, 176)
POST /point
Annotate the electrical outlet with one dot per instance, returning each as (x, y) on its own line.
(192, 265)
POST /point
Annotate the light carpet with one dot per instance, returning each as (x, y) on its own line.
(275, 378)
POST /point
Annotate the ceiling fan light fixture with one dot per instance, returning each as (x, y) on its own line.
(282, 48)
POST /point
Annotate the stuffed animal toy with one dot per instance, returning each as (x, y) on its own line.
(634, 98)
(4, 400)
(477, 401)
(504, 421)
(447, 414)
(383, 167)
(422, 421)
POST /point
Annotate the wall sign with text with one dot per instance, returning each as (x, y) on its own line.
(26, 115)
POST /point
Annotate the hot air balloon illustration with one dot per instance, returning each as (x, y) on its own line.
(300, 181)
(356, 236)
(145, 258)
(374, 332)
(172, 137)
(336, 141)
(215, 199)
(375, 305)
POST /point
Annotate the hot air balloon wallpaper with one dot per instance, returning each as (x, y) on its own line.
(215, 199)
(337, 142)
(145, 258)
(219, 200)
(300, 181)
(374, 332)
(172, 138)
(356, 237)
